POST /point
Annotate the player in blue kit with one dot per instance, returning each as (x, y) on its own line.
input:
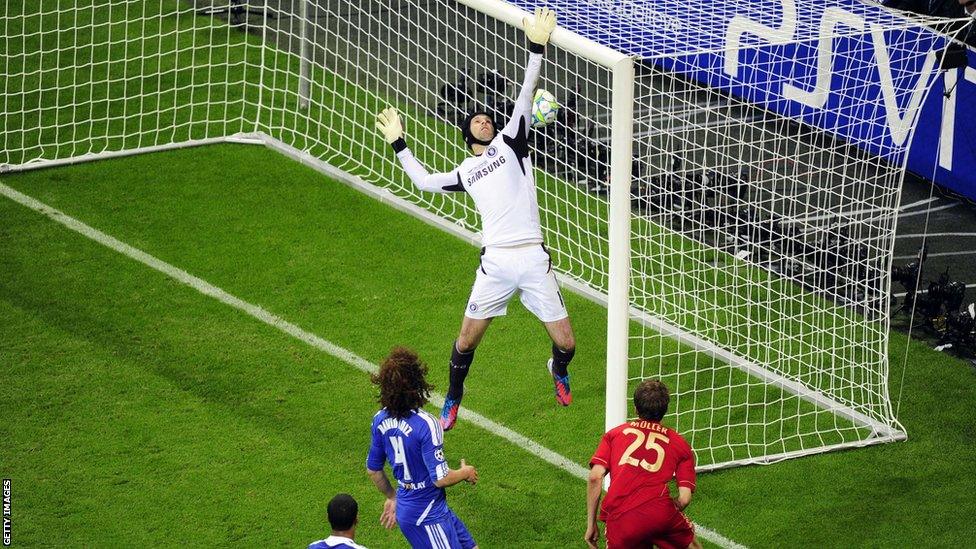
(343, 513)
(412, 441)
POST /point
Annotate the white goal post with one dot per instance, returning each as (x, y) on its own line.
(724, 178)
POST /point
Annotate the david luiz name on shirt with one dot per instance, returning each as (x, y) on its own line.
(394, 423)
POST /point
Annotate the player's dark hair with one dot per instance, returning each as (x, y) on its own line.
(342, 511)
(651, 399)
(403, 382)
(469, 138)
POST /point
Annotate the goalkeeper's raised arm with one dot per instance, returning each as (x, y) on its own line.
(389, 125)
(478, 129)
(537, 30)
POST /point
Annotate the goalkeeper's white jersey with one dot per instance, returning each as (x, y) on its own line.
(500, 181)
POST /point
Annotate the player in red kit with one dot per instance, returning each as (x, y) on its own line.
(642, 457)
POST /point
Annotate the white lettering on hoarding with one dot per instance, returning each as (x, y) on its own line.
(947, 134)
(740, 25)
(899, 122)
(817, 98)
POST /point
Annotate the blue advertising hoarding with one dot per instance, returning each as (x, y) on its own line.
(857, 70)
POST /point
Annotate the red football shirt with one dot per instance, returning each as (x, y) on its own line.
(642, 457)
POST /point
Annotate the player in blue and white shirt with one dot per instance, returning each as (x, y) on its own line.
(500, 181)
(343, 512)
(412, 441)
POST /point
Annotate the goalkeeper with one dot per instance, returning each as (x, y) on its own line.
(499, 179)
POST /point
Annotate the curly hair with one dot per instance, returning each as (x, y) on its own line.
(402, 380)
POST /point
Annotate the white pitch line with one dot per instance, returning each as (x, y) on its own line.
(342, 354)
(930, 235)
(903, 294)
(928, 211)
(851, 213)
(937, 254)
(922, 202)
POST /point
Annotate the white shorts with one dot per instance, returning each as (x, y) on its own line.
(504, 271)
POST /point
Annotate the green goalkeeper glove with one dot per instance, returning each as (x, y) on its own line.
(539, 28)
(388, 123)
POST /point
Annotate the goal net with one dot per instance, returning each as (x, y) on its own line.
(85, 79)
(726, 177)
(760, 194)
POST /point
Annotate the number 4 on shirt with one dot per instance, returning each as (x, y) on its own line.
(400, 456)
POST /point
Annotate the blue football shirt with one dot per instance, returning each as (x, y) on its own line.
(335, 542)
(414, 447)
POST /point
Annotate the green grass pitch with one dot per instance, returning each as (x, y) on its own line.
(139, 411)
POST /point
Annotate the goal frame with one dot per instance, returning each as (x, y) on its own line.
(619, 311)
(617, 299)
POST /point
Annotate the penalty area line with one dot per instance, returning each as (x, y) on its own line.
(293, 330)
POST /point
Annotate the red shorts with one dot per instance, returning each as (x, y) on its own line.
(657, 523)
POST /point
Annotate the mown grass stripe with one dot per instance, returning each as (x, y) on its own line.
(341, 353)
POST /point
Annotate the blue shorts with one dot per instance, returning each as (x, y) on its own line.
(448, 533)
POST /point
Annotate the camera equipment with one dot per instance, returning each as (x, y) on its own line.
(237, 12)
